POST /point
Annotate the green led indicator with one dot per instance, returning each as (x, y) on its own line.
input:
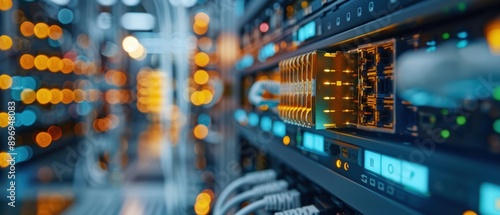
(433, 119)
(445, 36)
(496, 125)
(462, 6)
(445, 133)
(444, 111)
(461, 120)
(496, 93)
(299, 138)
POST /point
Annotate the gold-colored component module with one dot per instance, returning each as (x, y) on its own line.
(318, 89)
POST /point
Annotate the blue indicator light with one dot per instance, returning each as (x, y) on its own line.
(308, 141)
(279, 129)
(462, 44)
(319, 143)
(245, 62)
(431, 49)
(266, 52)
(314, 142)
(266, 123)
(489, 198)
(307, 31)
(462, 35)
(431, 43)
(373, 161)
(415, 177)
(253, 119)
(391, 168)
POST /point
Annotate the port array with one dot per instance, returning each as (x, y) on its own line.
(376, 86)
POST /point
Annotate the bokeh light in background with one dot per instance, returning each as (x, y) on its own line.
(72, 84)
(5, 82)
(66, 65)
(130, 44)
(5, 42)
(204, 119)
(53, 64)
(78, 95)
(202, 16)
(139, 53)
(131, 2)
(41, 62)
(114, 77)
(5, 4)
(83, 41)
(200, 131)
(27, 61)
(28, 96)
(55, 32)
(65, 16)
(23, 153)
(4, 159)
(203, 202)
(205, 44)
(135, 50)
(43, 139)
(201, 59)
(41, 30)
(55, 132)
(201, 21)
(107, 2)
(493, 36)
(43, 96)
(27, 29)
(27, 117)
(61, 2)
(4, 119)
(56, 97)
(200, 27)
(201, 77)
(67, 96)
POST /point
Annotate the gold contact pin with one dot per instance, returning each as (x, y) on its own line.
(306, 79)
(330, 125)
